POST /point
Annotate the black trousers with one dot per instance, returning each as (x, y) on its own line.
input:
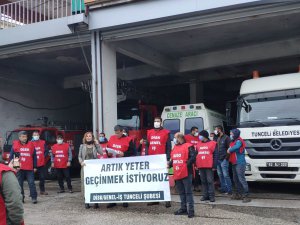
(61, 174)
(42, 173)
(207, 180)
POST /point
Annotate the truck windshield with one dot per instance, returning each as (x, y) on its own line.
(129, 117)
(13, 136)
(265, 109)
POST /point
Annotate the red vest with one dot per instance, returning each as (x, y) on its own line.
(233, 157)
(205, 153)
(180, 156)
(40, 152)
(3, 168)
(61, 155)
(119, 144)
(191, 139)
(104, 156)
(26, 154)
(157, 141)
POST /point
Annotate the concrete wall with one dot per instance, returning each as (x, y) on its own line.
(38, 95)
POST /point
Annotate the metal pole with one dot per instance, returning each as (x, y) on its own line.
(94, 80)
(99, 83)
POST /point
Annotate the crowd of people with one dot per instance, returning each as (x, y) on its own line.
(194, 157)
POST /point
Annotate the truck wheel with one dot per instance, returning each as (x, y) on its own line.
(50, 172)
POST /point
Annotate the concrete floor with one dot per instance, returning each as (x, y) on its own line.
(56, 209)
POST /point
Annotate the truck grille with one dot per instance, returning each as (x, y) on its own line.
(284, 176)
(289, 169)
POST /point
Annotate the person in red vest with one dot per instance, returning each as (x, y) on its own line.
(142, 146)
(11, 206)
(61, 157)
(206, 162)
(182, 160)
(158, 142)
(103, 143)
(237, 159)
(193, 138)
(41, 153)
(123, 146)
(23, 154)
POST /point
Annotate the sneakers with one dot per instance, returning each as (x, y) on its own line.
(43, 193)
(181, 212)
(236, 197)
(111, 205)
(168, 204)
(34, 201)
(191, 214)
(71, 191)
(87, 206)
(204, 199)
(246, 199)
(61, 191)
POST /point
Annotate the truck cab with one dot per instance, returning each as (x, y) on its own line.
(269, 119)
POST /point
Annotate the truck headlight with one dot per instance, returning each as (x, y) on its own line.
(248, 167)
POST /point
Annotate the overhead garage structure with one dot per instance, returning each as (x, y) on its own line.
(174, 51)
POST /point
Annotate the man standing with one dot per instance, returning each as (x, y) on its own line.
(24, 154)
(123, 147)
(41, 154)
(11, 206)
(223, 143)
(237, 159)
(183, 157)
(61, 157)
(193, 138)
(158, 142)
(206, 162)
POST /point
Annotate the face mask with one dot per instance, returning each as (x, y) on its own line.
(201, 138)
(35, 137)
(216, 132)
(196, 134)
(102, 139)
(231, 137)
(59, 141)
(175, 141)
(90, 142)
(125, 134)
(156, 124)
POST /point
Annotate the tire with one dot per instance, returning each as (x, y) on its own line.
(50, 172)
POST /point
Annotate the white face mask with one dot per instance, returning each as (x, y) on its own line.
(156, 124)
(196, 134)
(59, 141)
(216, 132)
(175, 141)
(125, 134)
(35, 137)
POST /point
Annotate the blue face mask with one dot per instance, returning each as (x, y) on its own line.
(232, 137)
(102, 139)
(201, 138)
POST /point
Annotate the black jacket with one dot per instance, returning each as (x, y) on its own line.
(223, 145)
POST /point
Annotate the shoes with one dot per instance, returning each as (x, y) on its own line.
(152, 203)
(204, 199)
(43, 193)
(61, 191)
(212, 199)
(236, 197)
(70, 191)
(111, 205)
(191, 214)
(34, 201)
(197, 189)
(181, 212)
(125, 205)
(168, 204)
(96, 206)
(87, 206)
(246, 199)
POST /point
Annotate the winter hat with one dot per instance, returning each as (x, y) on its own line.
(204, 133)
(236, 133)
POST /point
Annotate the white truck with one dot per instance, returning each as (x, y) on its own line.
(268, 115)
(181, 118)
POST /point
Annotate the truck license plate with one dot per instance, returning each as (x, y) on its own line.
(277, 164)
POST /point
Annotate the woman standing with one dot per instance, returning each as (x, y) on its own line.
(88, 150)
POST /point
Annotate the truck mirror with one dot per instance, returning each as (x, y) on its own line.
(248, 108)
(229, 113)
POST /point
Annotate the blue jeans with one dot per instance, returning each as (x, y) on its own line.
(29, 176)
(223, 173)
(239, 179)
(184, 188)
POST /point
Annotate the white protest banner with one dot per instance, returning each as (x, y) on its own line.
(130, 179)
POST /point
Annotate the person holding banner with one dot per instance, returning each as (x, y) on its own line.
(183, 157)
(88, 150)
(118, 146)
(158, 142)
(206, 162)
